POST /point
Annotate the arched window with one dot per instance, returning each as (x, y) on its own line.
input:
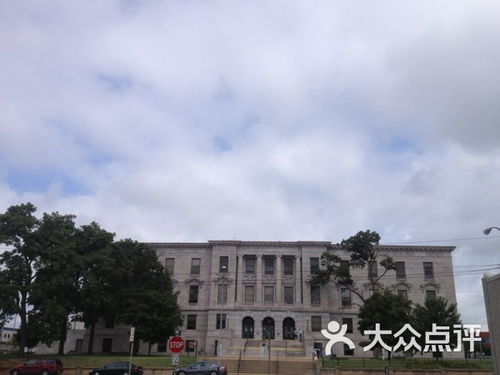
(268, 328)
(247, 328)
(288, 329)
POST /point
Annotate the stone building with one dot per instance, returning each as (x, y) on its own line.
(240, 296)
(236, 294)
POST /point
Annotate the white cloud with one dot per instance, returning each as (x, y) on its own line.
(278, 120)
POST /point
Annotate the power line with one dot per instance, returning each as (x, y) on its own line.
(448, 240)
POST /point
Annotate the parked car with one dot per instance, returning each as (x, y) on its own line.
(38, 367)
(117, 368)
(202, 368)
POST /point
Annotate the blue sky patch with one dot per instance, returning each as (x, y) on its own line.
(41, 180)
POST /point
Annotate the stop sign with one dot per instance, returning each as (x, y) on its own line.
(175, 344)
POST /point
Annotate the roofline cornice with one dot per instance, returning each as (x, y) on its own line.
(404, 248)
(327, 244)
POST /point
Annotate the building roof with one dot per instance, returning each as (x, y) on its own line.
(326, 244)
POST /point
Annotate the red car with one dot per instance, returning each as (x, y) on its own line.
(38, 367)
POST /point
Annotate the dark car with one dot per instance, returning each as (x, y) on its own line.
(117, 368)
(38, 367)
(202, 368)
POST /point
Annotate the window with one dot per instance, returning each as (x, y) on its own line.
(428, 270)
(268, 294)
(400, 270)
(249, 294)
(190, 346)
(222, 294)
(288, 266)
(288, 294)
(161, 347)
(107, 345)
(372, 268)
(344, 267)
(193, 293)
(403, 293)
(79, 345)
(345, 295)
(268, 266)
(316, 323)
(169, 265)
(348, 321)
(223, 264)
(430, 294)
(314, 265)
(195, 266)
(191, 322)
(347, 350)
(250, 265)
(315, 295)
(220, 320)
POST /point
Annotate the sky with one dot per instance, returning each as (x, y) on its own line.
(259, 120)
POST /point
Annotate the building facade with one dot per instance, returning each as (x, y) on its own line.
(233, 290)
(491, 289)
(233, 293)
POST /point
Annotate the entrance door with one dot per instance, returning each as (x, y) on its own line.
(268, 328)
(288, 329)
(247, 328)
(107, 345)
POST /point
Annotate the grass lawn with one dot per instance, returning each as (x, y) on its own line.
(410, 363)
(100, 360)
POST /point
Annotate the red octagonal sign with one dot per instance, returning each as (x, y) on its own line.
(175, 344)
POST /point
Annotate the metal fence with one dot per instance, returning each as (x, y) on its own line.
(406, 363)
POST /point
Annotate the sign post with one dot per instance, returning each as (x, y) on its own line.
(175, 346)
(131, 340)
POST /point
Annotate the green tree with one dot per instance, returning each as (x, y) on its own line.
(55, 292)
(145, 293)
(18, 227)
(440, 312)
(390, 310)
(363, 251)
(7, 298)
(96, 294)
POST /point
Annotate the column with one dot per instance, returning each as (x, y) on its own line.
(258, 276)
(241, 273)
(279, 280)
(297, 280)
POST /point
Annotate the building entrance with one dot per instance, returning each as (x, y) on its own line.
(268, 328)
(288, 329)
(247, 328)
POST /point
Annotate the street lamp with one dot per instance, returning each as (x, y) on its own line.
(488, 230)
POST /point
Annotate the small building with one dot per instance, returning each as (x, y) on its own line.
(73, 344)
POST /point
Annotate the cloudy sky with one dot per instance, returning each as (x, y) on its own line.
(259, 120)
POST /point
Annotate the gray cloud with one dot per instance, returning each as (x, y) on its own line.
(191, 121)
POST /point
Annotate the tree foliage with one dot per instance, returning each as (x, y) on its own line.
(145, 292)
(94, 248)
(390, 310)
(18, 227)
(438, 311)
(55, 270)
(363, 249)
